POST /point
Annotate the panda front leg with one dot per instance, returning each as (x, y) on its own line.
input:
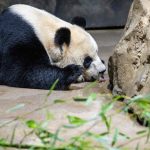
(43, 77)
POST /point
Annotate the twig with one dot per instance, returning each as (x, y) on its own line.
(55, 138)
(131, 140)
(26, 135)
(26, 114)
(88, 129)
(25, 146)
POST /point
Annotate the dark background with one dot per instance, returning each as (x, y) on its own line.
(98, 13)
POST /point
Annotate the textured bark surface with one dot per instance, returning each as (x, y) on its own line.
(129, 66)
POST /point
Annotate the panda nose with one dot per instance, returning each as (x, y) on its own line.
(102, 72)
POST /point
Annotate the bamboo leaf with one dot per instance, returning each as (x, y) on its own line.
(91, 85)
(115, 137)
(91, 98)
(32, 124)
(124, 135)
(59, 101)
(80, 99)
(137, 147)
(13, 135)
(107, 107)
(15, 108)
(141, 132)
(2, 141)
(76, 120)
(52, 87)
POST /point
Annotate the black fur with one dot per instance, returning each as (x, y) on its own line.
(87, 62)
(63, 35)
(143, 121)
(23, 59)
(80, 21)
(103, 62)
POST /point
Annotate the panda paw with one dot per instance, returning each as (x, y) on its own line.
(73, 72)
(80, 79)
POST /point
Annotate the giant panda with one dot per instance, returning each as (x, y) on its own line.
(37, 48)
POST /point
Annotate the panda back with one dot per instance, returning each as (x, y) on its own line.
(18, 41)
(43, 23)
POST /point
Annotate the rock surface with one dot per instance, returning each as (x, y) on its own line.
(129, 66)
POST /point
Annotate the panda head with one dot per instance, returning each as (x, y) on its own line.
(73, 45)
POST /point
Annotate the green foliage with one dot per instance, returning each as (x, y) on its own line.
(32, 124)
(115, 137)
(91, 85)
(87, 139)
(103, 114)
(53, 87)
(119, 97)
(91, 98)
(80, 99)
(88, 100)
(15, 108)
(57, 101)
(2, 141)
(142, 103)
(76, 120)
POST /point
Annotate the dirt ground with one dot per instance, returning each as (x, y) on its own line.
(31, 100)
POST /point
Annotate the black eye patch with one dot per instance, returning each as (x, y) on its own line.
(87, 62)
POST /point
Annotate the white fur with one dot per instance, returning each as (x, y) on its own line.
(45, 26)
(43, 23)
(96, 67)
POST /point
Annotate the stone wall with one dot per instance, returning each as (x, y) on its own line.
(98, 13)
(48, 5)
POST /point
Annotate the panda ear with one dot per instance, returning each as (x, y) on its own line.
(80, 21)
(63, 35)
